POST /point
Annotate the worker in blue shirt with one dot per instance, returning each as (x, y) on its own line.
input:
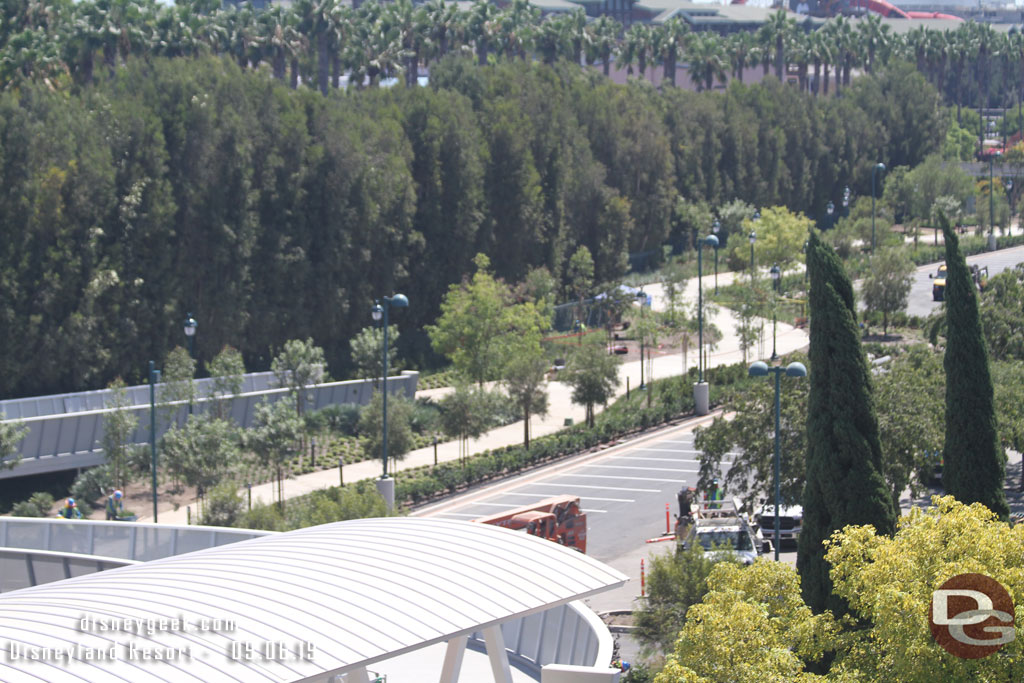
(70, 510)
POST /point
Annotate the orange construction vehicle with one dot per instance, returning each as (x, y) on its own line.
(557, 519)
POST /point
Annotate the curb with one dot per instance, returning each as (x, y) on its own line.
(617, 628)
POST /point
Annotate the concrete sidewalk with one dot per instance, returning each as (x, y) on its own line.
(560, 405)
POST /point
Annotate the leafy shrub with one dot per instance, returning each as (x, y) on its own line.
(38, 505)
(341, 419)
(425, 418)
(223, 505)
(91, 485)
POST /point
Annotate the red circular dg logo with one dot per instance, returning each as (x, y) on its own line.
(971, 616)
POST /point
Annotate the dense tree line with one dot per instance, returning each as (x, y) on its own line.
(323, 43)
(195, 186)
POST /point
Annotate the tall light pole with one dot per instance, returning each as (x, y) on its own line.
(386, 485)
(715, 227)
(700, 389)
(642, 298)
(776, 277)
(877, 167)
(761, 369)
(991, 205)
(154, 378)
(190, 334)
(753, 238)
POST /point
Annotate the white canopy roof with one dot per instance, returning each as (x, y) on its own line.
(289, 607)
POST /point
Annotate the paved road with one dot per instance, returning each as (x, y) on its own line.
(623, 490)
(920, 301)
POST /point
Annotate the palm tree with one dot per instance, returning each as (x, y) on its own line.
(603, 41)
(442, 26)
(551, 38)
(821, 56)
(779, 27)
(84, 38)
(673, 40)
(802, 55)
(636, 47)
(707, 59)
(411, 24)
(874, 37)
(480, 28)
(280, 40)
(576, 30)
(515, 28)
(741, 47)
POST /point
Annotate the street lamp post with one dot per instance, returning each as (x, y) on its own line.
(642, 298)
(190, 334)
(154, 378)
(386, 485)
(700, 389)
(753, 238)
(877, 167)
(761, 369)
(1009, 198)
(991, 204)
(776, 278)
(715, 227)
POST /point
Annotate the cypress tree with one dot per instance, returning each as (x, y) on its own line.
(844, 482)
(974, 467)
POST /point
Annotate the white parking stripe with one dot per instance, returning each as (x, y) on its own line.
(548, 495)
(456, 514)
(603, 488)
(589, 511)
(640, 457)
(608, 476)
(498, 505)
(650, 469)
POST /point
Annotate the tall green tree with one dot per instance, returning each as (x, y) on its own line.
(479, 322)
(226, 374)
(844, 454)
(974, 464)
(887, 286)
(593, 374)
(118, 426)
(299, 365)
(274, 439)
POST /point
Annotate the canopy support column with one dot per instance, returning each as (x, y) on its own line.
(497, 654)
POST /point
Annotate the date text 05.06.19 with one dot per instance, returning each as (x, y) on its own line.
(270, 650)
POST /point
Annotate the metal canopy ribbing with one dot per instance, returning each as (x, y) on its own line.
(352, 593)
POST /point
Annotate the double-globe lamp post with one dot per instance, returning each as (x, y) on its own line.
(776, 274)
(877, 167)
(386, 485)
(154, 379)
(991, 205)
(761, 369)
(700, 389)
(190, 333)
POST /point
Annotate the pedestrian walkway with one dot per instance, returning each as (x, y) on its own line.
(560, 405)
